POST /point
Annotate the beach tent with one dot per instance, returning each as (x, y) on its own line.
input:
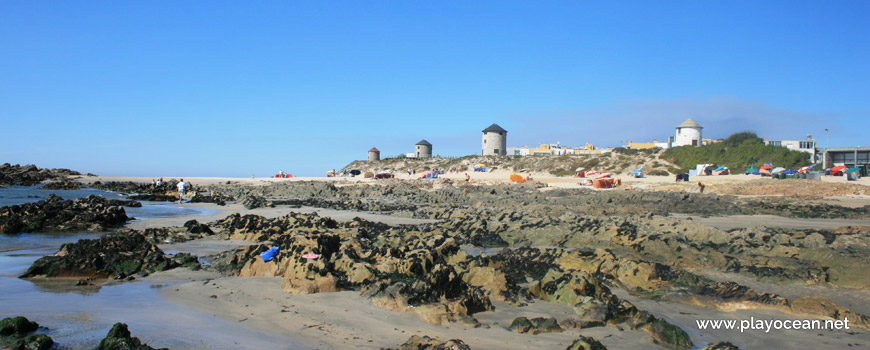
(603, 175)
(517, 178)
(777, 170)
(591, 173)
(836, 171)
(789, 172)
(637, 173)
(426, 174)
(808, 167)
(701, 169)
(751, 170)
(355, 172)
(851, 170)
(722, 171)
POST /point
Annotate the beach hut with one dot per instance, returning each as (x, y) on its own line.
(517, 178)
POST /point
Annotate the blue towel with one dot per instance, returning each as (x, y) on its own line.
(269, 254)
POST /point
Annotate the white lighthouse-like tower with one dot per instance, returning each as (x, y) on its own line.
(688, 134)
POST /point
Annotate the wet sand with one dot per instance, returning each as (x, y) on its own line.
(280, 210)
(346, 320)
(744, 221)
(687, 315)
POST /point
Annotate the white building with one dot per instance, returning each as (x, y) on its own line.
(808, 146)
(688, 134)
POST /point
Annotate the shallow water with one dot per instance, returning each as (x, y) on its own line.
(15, 195)
(79, 317)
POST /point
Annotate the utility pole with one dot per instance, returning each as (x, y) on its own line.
(825, 161)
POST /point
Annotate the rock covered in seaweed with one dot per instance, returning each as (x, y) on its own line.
(120, 338)
(15, 334)
(91, 213)
(417, 342)
(115, 256)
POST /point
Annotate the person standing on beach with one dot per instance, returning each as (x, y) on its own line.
(701, 187)
(467, 178)
(180, 190)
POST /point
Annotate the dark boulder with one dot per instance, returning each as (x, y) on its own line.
(417, 342)
(119, 338)
(586, 343)
(14, 335)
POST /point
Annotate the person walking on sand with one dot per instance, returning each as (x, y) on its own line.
(701, 187)
(180, 190)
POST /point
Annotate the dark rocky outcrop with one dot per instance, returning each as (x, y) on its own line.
(536, 325)
(15, 334)
(253, 202)
(119, 338)
(721, 346)
(191, 230)
(62, 185)
(586, 343)
(29, 175)
(417, 342)
(111, 256)
(92, 213)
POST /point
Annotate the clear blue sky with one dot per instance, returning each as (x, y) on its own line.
(213, 88)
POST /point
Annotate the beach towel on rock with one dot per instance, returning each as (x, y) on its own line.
(269, 254)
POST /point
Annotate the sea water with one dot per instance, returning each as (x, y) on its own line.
(78, 317)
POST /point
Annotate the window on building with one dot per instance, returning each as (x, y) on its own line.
(775, 143)
(839, 157)
(863, 158)
(849, 157)
(807, 144)
(495, 151)
(484, 140)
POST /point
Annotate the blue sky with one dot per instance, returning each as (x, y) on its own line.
(213, 88)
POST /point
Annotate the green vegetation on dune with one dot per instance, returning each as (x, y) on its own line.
(737, 152)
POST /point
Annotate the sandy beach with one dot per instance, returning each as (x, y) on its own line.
(261, 302)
